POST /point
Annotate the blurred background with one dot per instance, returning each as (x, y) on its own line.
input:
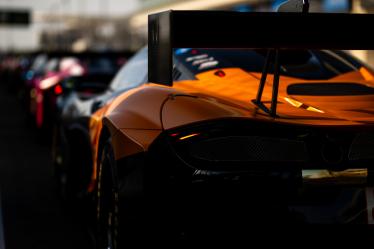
(78, 25)
(39, 39)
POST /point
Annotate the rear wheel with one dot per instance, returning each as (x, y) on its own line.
(144, 209)
(107, 201)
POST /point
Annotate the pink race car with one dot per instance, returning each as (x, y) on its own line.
(45, 89)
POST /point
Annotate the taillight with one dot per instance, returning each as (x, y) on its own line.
(183, 136)
(58, 90)
(189, 136)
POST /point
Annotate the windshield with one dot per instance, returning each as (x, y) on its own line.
(303, 64)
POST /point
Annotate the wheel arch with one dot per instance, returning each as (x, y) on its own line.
(105, 134)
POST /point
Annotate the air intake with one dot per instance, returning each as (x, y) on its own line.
(249, 148)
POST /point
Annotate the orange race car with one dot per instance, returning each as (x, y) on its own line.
(224, 138)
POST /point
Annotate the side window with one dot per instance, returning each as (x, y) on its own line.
(133, 73)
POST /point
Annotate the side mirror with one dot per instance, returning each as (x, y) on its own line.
(300, 6)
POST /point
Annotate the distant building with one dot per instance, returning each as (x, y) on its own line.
(122, 24)
(137, 23)
(54, 16)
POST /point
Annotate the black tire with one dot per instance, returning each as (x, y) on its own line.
(59, 159)
(133, 220)
(107, 200)
(71, 158)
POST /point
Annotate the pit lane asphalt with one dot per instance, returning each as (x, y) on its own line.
(33, 215)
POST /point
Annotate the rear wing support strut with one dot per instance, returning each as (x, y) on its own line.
(273, 55)
(222, 29)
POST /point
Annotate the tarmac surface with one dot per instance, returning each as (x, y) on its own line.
(32, 214)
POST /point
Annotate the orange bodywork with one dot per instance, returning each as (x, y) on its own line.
(137, 117)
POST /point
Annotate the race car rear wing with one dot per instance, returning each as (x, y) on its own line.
(227, 29)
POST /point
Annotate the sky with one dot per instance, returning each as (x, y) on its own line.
(81, 7)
